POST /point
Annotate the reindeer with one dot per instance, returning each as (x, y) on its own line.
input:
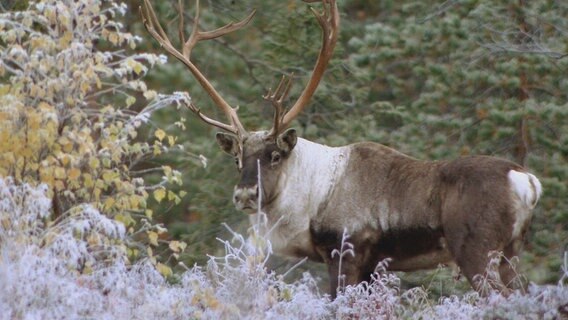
(419, 214)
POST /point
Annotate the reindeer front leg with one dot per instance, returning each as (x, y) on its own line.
(343, 271)
(339, 256)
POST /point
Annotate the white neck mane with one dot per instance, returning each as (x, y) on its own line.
(310, 173)
(307, 179)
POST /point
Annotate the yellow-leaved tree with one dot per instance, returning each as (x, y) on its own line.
(72, 106)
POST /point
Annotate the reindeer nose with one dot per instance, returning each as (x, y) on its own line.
(246, 197)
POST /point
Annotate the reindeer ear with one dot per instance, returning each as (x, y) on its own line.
(287, 140)
(228, 143)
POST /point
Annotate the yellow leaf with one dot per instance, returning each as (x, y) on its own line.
(150, 94)
(109, 202)
(68, 147)
(113, 38)
(97, 194)
(59, 173)
(149, 213)
(108, 176)
(133, 253)
(171, 140)
(164, 270)
(159, 194)
(130, 101)
(134, 202)
(177, 246)
(153, 237)
(74, 174)
(46, 177)
(88, 180)
(94, 163)
(65, 40)
(126, 219)
(45, 107)
(65, 160)
(85, 87)
(34, 121)
(100, 184)
(174, 246)
(157, 150)
(160, 134)
(151, 255)
(143, 200)
(59, 185)
(138, 68)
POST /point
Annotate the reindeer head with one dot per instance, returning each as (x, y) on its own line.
(260, 154)
(264, 152)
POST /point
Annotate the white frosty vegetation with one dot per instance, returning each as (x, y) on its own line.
(74, 268)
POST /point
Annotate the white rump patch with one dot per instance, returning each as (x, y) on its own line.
(528, 189)
(526, 186)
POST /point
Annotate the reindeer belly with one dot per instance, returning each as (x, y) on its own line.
(428, 260)
(414, 249)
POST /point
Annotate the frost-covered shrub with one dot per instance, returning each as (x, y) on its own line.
(239, 285)
(40, 261)
(72, 107)
(378, 298)
(39, 265)
(78, 268)
(540, 302)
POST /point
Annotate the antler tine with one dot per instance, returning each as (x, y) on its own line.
(197, 35)
(208, 120)
(154, 27)
(277, 98)
(329, 23)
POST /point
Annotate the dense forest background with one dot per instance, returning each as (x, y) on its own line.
(433, 79)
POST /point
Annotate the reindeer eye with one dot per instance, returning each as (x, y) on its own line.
(275, 158)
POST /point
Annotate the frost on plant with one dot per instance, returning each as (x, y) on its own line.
(378, 298)
(78, 268)
(345, 250)
(39, 263)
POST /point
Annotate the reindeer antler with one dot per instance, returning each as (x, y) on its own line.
(329, 23)
(277, 98)
(328, 20)
(154, 27)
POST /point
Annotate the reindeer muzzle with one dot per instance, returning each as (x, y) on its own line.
(246, 198)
